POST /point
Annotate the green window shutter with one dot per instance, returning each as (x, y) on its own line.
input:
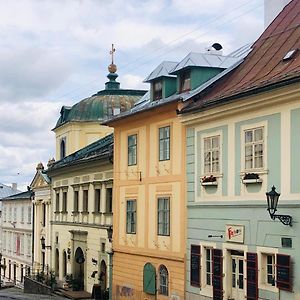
(149, 279)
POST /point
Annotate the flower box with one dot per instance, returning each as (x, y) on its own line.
(209, 181)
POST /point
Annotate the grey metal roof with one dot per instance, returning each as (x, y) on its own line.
(145, 102)
(101, 149)
(161, 70)
(20, 196)
(6, 191)
(208, 60)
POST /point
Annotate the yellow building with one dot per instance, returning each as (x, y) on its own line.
(149, 183)
(81, 186)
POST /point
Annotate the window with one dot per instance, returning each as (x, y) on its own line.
(4, 214)
(64, 208)
(132, 147)
(270, 269)
(15, 214)
(28, 245)
(29, 215)
(4, 240)
(131, 216)
(9, 215)
(44, 214)
(254, 148)
(22, 244)
(22, 214)
(109, 196)
(97, 200)
(185, 82)
(57, 202)
(103, 247)
(85, 201)
(163, 281)
(157, 90)
(76, 199)
(208, 266)
(212, 155)
(164, 216)
(62, 148)
(164, 143)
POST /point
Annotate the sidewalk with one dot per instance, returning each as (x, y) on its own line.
(15, 293)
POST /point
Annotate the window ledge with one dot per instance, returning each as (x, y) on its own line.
(209, 183)
(64, 212)
(206, 291)
(74, 213)
(85, 212)
(251, 181)
(255, 171)
(268, 287)
(108, 213)
(96, 212)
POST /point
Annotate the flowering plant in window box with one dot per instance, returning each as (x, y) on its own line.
(209, 180)
(251, 178)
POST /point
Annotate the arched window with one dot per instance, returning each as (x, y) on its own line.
(163, 281)
(62, 148)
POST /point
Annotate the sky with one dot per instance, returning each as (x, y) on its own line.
(56, 52)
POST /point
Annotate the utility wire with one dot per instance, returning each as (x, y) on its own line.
(166, 47)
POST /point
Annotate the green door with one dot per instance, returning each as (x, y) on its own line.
(149, 279)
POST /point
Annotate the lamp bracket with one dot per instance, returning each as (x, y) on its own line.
(284, 219)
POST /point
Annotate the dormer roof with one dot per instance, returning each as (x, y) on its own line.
(162, 70)
(205, 60)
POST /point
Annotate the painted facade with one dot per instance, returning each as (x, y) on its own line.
(149, 183)
(81, 213)
(242, 139)
(145, 183)
(41, 186)
(17, 237)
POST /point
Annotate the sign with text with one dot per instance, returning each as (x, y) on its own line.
(234, 233)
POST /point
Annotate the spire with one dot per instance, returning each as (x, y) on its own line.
(112, 84)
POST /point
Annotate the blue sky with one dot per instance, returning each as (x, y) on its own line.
(56, 52)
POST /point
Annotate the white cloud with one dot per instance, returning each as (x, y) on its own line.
(55, 53)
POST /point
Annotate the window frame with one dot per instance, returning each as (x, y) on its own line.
(134, 147)
(97, 204)
(183, 76)
(162, 140)
(76, 201)
(164, 228)
(64, 201)
(109, 199)
(262, 253)
(85, 200)
(131, 216)
(163, 288)
(157, 92)
(210, 150)
(248, 127)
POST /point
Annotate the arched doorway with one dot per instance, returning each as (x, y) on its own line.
(79, 269)
(103, 275)
(64, 263)
(56, 263)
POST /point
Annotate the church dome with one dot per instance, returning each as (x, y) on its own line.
(101, 106)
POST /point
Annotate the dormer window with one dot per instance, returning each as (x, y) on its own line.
(157, 90)
(185, 82)
(62, 148)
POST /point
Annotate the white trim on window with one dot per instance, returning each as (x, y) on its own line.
(217, 133)
(248, 127)
(206, 290)
(262, 253)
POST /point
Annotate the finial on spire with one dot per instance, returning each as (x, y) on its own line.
(112, 68)
(111, 52)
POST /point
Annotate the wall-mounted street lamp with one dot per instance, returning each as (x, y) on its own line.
(272, 200)
(43, 244)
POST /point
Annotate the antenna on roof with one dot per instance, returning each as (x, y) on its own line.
(217, 46)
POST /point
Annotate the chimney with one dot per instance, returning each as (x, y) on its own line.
(272, 9)
(14, 186)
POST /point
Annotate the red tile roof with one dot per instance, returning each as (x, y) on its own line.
(264, 65)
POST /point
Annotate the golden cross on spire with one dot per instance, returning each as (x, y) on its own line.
(111, 52)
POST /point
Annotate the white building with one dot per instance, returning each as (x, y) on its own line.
(17, 236)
